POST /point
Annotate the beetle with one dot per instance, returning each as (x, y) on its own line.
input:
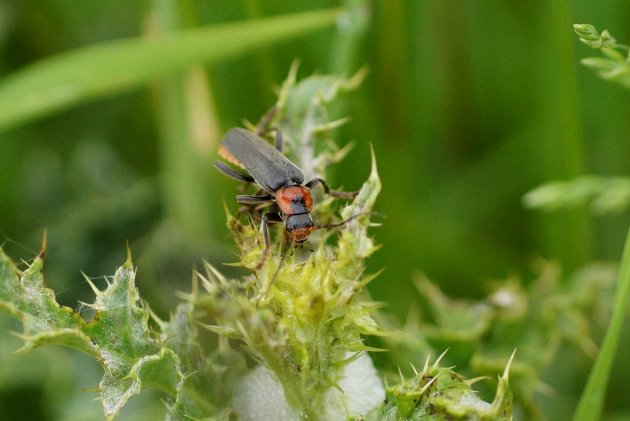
(281, 182)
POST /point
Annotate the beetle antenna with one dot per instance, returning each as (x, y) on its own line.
(266, 119)
(337, 224)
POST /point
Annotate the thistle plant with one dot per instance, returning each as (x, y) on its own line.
(615, 63)
(604, 195)
(554, 313)
(285, 342)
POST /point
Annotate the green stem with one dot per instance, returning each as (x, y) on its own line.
(592, 400)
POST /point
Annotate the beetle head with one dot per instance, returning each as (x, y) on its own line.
(299, 227)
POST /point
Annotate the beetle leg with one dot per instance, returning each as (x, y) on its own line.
(267, 218)
(263, 128)
(254, 210)
(285, 248)
(316, 181)
(279, 140)
(333, 193)
(252, 203)
(245, 178)
(245, 199)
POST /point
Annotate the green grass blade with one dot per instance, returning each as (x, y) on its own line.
(62, 81)
(592, 400)
(187, 128)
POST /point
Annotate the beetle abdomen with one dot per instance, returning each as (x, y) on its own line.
(270, 169)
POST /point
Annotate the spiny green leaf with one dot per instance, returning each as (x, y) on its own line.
(438, 393)
(118, 336)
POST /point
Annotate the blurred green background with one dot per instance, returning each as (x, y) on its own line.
(468, 104)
